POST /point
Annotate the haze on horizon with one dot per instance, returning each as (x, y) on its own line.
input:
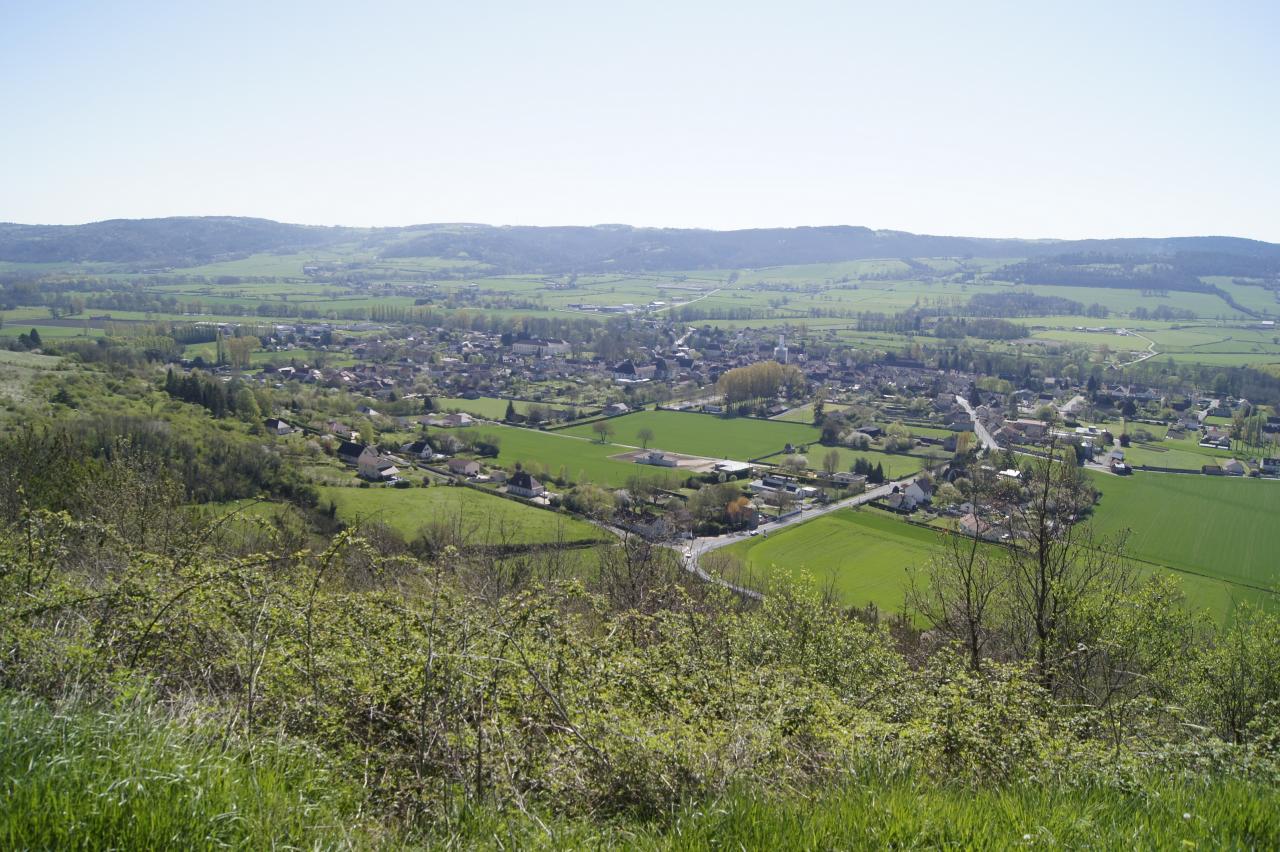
(1156, 119)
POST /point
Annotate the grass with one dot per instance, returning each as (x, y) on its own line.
(874, 812)
(1217, 527)
(491, 408)
(482, 518)
(580, 459)
(861, 555)
(896, 465)
(72, 778)
(706, 435)
(78, 779)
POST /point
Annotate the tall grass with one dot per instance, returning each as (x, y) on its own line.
(129, 780)
(903, 814)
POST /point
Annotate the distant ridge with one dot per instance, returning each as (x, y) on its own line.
(190, 241)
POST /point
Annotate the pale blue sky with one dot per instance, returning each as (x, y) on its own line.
(984, 119)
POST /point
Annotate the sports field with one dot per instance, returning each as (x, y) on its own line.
(694, 434)
(483, 518)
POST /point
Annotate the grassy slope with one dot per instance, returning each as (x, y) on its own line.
(705, 435)
(124, 780)
(485, 518)
(127, 780)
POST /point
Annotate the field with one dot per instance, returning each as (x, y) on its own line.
(1215, 534)
(487, 407)
(706, 435)
(579, 459)
(896, 465)
(19, 369)
(482, 518)
(1218, 527)
(861, 555)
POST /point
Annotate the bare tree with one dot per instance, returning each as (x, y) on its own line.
(957, 593)
(645, 435)
(1055, 563)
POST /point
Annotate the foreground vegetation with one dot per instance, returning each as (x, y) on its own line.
(174, 666)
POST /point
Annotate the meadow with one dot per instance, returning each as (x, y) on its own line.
(481, 518)
(488, 407)
(861, 555)
(1218, 527)
(896, 465)
(704, 434)
(569, 457)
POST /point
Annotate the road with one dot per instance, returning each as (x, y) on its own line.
(1150, 353)
(694, 551)
(983, 435)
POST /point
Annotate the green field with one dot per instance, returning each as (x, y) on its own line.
(488, 407)
(896, 465)
(861, 555)
(1218, 527)
(706, 435)
(579, 459)
(482, 518)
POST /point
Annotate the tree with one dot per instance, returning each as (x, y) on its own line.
(1056, 563)
(645, 435)
(958, 592)
(511, 411)
(831, 462)
(795, 463)
(603, 429)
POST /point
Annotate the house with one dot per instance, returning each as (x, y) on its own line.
(846, 479)
(277, 426)
(457, 419)
(419, 448)
(1033, 429)
(615, 409)
(972, 525)
(871, 432)
(376, 468)
(920, 491)
(463, 467)
(627, 371)
(350, 452)
(1270, 466)
(540, 347)
(1235, 467)
(522, 484)
(658, 458)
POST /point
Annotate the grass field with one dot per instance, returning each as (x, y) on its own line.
(579, 459)
(1222, 528)
(1215, 534)
(705, 435)
(488, 407)
(482, 518)
(862, 555)
(896, 465)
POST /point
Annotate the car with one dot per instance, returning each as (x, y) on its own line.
(755, 532)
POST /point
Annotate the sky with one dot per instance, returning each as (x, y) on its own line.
(1015, 119)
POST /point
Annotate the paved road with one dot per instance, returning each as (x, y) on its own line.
(983, 435)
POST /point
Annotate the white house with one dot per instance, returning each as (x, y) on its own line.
(522, 484)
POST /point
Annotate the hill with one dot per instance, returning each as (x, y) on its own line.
(189, 241)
